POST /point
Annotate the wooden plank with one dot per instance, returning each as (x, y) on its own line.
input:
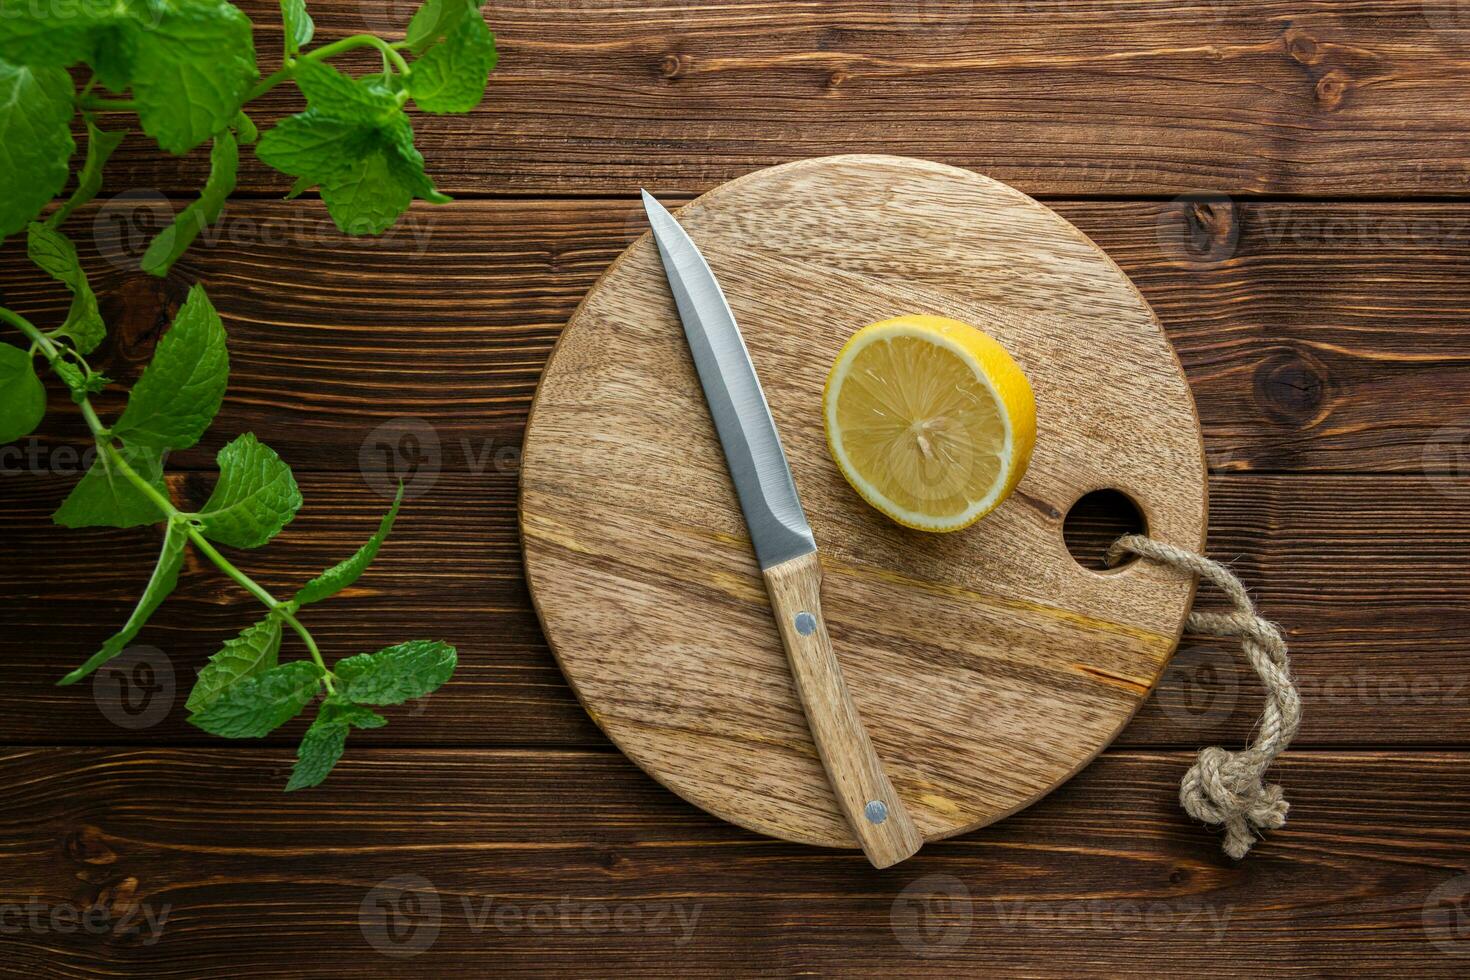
(1315, 336)
(536, 863)
(1127, 97)
(1364, 573)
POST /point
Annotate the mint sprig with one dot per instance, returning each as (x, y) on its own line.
(187, 70)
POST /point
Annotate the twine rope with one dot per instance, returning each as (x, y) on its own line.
(1227, 788)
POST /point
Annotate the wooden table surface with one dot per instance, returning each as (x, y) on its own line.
(1287, 182)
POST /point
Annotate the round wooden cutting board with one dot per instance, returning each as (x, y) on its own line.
(988, 665)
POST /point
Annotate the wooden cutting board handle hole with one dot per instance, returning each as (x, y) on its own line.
(1095, 521)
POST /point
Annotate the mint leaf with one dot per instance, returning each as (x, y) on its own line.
(22, 396)
(160, 584)
(450, 77)
(356, 143)
(48, 35)
(324, 741)
(338, 708)
(35, 140)
(396, 674)
(252, 652)
(182, 387)
(189, 63)
(298, 25)
(100, 146)
(337, 96)
(319, 751)
(312, 146)
(255, 497)
(191, 71)
(224, 165)
(57, 257)
(79, 382)
(343, 574)
(367, 197)
(436, 18)
(107, 498)
(245, 128)
(258, 705)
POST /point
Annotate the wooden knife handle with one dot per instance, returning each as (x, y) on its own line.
(877, 816)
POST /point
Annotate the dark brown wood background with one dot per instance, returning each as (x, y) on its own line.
(1287, 182)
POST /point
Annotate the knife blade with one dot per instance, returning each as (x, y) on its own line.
(778, 527)
(784, 545)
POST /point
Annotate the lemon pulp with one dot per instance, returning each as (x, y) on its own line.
(930, 420)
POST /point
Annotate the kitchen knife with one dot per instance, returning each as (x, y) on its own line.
(784, 546)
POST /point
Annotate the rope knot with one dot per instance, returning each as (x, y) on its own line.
(1227, 788)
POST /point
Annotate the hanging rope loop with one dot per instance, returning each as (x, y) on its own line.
(1225, 788)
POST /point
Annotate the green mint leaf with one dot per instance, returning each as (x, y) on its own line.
(22, 396)
(192, 71)
(160, 584)
(259, 705)
(255, 497)
(338, 708)
(298, 25)
(245, 128)
(173, 241)
(35, 140)
(396, 674)
(105, 497)
(319, 751)
(312, 146)
(182, 387)
(48, 34)
(100, 146)
(78, 381)
(356, 143)
(57, 257)
(343, 574)
(189, 63)
(450, 77)
(337, 96)
(252, 652)
(366, 198)
(434, 19)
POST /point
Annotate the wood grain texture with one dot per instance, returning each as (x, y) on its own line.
(1316, 337)
(1130, 97)
(1103, 879)
(988, 667)
(1377, 642)
(854, 770)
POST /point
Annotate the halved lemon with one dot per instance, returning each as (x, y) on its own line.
(930, 420)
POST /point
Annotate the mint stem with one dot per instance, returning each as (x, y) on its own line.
(105, 445)
(329, 51)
